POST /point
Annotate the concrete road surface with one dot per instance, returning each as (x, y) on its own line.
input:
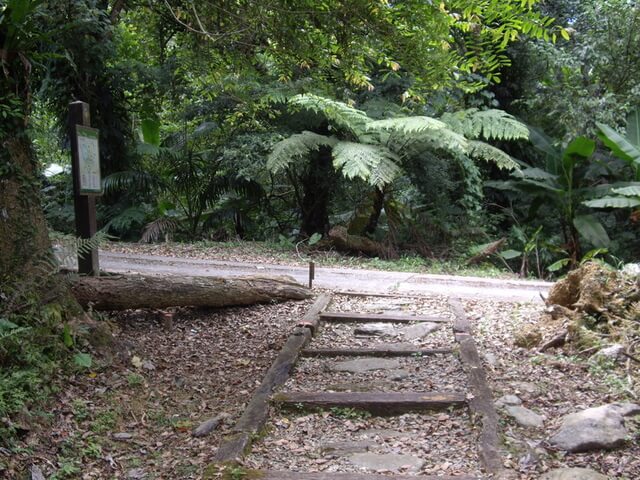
(357, 280)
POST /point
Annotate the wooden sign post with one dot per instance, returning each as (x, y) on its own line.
(85, 168)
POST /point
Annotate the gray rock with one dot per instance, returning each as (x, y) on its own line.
(508, 400)
(419, 330)
(388, 461)
(147, 365)
(573, 474)
(356, 386)
(341, 449)
(208, 426)
(122, 436)
(136, 474)
(365, 364)
(612, 352)
(386, 434)
(36, 473)
(398, 375)
(526, 387)
(374, 329)
(594, 428)
(525, 417)
(491, 359)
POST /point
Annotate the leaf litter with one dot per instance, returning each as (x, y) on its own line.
(133, 419)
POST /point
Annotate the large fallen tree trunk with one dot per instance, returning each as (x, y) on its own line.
(120, 292)
(355, 243)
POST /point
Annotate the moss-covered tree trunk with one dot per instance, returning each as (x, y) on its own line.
(24, 241)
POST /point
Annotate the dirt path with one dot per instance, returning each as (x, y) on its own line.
(369, 281)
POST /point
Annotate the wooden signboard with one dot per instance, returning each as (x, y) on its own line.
(88, 160)
(85, 166)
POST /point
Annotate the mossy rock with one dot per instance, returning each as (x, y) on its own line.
(528, 337)
(230, 471)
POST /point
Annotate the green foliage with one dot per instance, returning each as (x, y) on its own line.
(372, 163)
(563, 184)
(383, 144)
(489, 124)
(298, 145)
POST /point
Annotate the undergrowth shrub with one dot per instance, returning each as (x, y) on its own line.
(36, 343)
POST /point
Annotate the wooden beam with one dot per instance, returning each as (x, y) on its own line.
(273, 475)
(381, 351)
(378, 317)
(311, 319)
(375, 402)
(481, 402)
(256, 413)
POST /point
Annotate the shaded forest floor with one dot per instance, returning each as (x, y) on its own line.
(131, 415)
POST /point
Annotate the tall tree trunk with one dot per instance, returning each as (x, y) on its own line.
(378, 203)
(317, 185)
(24, 240)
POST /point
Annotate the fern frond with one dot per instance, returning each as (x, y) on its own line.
(126, 219)
(128, 180)
(297, 145)
(490, 124)
(338, 114)
(406, 125)
(374, 164)
(443, 140)
(160, 226)
(492, 154)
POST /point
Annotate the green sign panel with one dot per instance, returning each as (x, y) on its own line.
(89, 160)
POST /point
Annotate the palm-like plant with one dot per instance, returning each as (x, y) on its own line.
(567, 177)
(376, 150)
(627, 149)
(186, 177)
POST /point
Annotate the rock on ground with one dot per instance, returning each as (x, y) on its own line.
(387, 461)
(208, 426)
(341, 449)
(525, 417)
(365, 364)
(419, 330)
(594, 428)
(508, 400)
(573, 474)
(374, 329)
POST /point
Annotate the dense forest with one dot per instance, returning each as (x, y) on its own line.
(434, 130)
(440, 130)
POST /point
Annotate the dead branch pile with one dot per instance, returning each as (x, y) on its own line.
(595, 305)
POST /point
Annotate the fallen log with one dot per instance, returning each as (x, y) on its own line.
(121, 292)
(355, 243)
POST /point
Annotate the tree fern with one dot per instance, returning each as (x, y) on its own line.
(129, 180)
(487, 124)
(406, 125)
(492, 154)
(296, 146)
(373, 163)
(338, 114)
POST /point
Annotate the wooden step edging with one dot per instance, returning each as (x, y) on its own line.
(255, 415)
(381, 351)
(481, 402)
(383, 403)
(273, 475)
(349, 317)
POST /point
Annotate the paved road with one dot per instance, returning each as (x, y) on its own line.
(370, 281)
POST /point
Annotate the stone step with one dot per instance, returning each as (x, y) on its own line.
(381, 403)
(378, 317)
(379, 351)
(274, 475)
